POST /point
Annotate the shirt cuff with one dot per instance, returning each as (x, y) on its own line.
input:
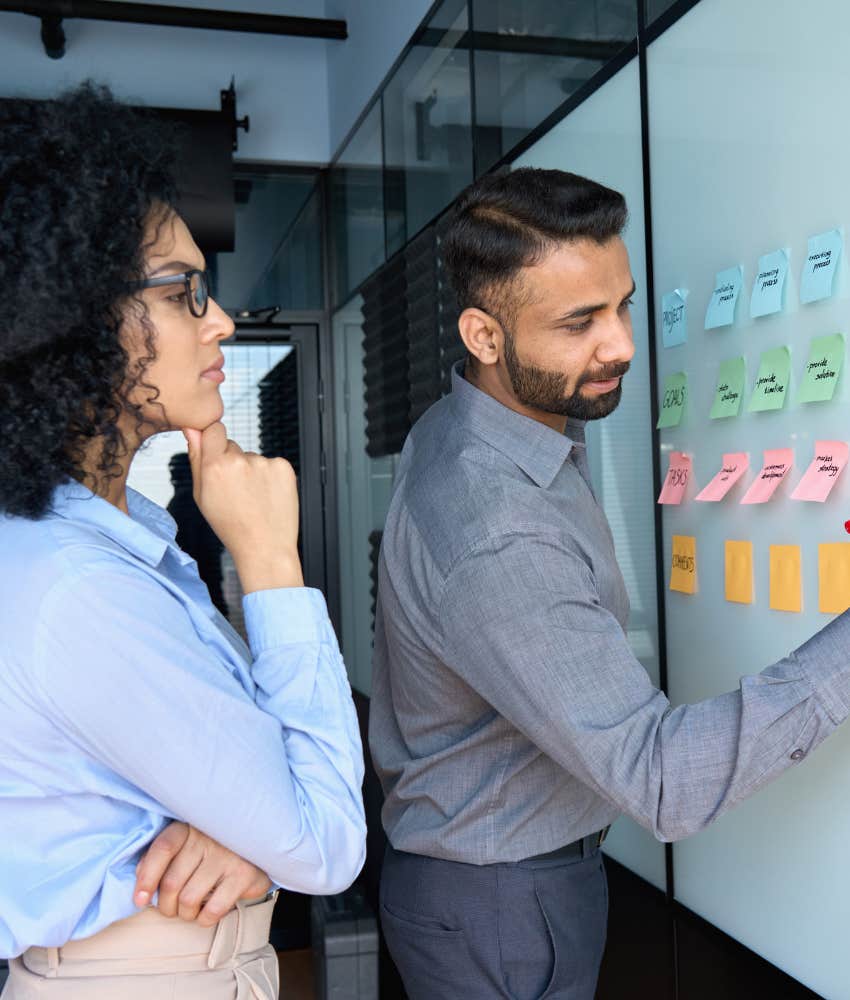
(284, 616)
(826, 661)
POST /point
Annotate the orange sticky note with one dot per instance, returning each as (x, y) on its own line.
(683, 572)
(785, 578)
(739, 572)
(834, 577)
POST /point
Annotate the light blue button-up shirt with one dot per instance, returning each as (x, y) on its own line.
(127, 700)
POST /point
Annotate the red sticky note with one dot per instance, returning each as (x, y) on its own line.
(823, 473)
(676, 480)
(777, 464)
(735, 464)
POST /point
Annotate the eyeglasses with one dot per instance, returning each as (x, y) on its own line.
(196, 283)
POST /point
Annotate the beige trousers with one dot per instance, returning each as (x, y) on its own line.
(152, 957)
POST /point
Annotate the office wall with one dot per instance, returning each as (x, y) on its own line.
(602, 139)
(282, 83)
(747, 144)
(378, 30)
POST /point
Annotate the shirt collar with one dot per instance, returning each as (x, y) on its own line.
(147, 533)
(537, 449)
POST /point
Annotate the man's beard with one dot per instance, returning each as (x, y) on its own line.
(546, 390)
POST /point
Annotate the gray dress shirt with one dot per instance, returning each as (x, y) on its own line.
(509, 716)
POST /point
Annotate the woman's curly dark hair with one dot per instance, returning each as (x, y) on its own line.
(80, 178)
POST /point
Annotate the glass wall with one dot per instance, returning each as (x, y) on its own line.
(428, 125)
(357, 206)
(531, 55)
(476, 79)
(277, 259)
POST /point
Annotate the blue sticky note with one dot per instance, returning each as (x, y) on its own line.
(674, 318)
(821, 265)
(721, 305)
(769, 284)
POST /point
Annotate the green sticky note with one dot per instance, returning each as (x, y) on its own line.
(730, 388)
(673, 400)
(771, 386)
(824, 366)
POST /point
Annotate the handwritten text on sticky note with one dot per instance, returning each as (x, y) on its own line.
(822, 474)
(768, 287)
(721, 305)
(674, 318)
(777, 463)
(820, 266)
(677, 478)
(735, 464)
(826, 355)
(730, 388)
(673, 400)
(771, 388)
(683, 568)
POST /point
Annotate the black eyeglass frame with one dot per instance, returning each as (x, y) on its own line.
(184, 278)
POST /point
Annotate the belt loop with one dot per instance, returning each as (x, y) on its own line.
(52, 963)
(225, 944)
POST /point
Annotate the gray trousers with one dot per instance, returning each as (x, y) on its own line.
(516, 931)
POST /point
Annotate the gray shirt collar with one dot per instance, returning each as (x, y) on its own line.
(537, 449)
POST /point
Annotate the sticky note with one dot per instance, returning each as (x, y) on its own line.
(834, 577)
(771, 386)
(826, 355)
(674, 318)
(730, 388)
(683, 570)
(822, 474)
(768, 288)
(721, 305)
(739, 572)
(785, 578)
(734, 466)
(820, 266)
(673, 400)
(777, 464)
(676, 480)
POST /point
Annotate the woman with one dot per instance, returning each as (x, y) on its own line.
(127, 702)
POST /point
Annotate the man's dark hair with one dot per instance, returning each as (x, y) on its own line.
(80, 178)
(504, 222)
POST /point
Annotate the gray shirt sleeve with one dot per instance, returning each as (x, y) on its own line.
(520, 620)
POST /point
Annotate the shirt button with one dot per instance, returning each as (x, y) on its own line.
(798, 754)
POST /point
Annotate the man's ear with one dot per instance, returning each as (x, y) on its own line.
(482, 335)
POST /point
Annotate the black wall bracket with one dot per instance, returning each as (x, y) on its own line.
(228, 108)
(52, 13)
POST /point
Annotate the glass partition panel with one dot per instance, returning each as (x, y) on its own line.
(293, 278)
(428, 125)
(531, 55)
(357, 206)
(268, 207)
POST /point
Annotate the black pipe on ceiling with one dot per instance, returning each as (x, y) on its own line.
(180, 17)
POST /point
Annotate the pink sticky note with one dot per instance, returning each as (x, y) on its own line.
(777, 464)
(735, 464)
(823, 473)
(676, 480)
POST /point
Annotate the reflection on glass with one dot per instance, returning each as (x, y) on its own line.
(269, 208)
(160, 469)
(532, 55)
(655, 8)
(293, 278)
(427, 122)
(357, 206)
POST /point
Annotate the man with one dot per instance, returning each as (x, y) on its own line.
(510, 722)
